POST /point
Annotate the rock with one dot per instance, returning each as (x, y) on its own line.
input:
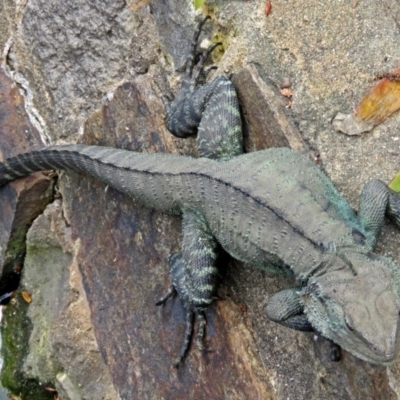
(346, 123)
(263, 110)
(21, 201)
(62, 342)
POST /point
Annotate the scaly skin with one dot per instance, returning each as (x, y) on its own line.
(273, 209)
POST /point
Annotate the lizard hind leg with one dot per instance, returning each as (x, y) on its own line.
(211, 111)
(184, 112)
(194, 277)
(179, 285)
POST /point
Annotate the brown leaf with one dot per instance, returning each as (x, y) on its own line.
(374, 108)
(382, 100)
(26, 296)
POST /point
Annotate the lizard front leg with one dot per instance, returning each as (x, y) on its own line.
(194, 276)
(286, 308)
(211, 111)
(376, 201)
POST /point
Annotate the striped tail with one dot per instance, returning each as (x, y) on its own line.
(53, 157)
(157, 180)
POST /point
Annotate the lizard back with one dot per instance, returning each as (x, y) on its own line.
(288, 207)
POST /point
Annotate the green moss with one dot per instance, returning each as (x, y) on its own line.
(16, 247)
(15, 332)
(219, 37)
(198, 3)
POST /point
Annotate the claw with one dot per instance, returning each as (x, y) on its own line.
(171, 291)
(188, 334)
(186, 339)
(199, 66)
(167, 103)
(190, 61)
(200, 329)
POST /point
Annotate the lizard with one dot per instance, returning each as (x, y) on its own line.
(273, 209)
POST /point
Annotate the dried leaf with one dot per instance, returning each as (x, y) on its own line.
(381, 101)
(287, 92)
(374, 108)
(137, 4)
(26, 296)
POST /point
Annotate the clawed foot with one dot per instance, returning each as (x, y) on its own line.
(182, 119)
(196, 60)
(189, 327)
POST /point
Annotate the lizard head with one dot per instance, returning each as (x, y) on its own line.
(357, 306)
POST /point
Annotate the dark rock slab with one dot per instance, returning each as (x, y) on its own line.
(263, 107)
(22, 200)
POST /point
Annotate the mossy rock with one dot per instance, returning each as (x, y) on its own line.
(15, 332)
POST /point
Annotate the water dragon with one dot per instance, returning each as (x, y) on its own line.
(272, 209)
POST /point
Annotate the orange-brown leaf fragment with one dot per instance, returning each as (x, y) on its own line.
(374, 108)
(26, 296)
(381, 101)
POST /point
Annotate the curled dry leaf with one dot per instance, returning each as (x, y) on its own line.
(285, 84)
(287, 92)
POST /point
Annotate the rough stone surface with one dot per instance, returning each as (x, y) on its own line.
(17, 209)
(68, 55)
(70, 58)
(62, 339)
(263, 111)
(20, 203)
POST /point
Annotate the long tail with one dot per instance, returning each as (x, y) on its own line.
(154, 179)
